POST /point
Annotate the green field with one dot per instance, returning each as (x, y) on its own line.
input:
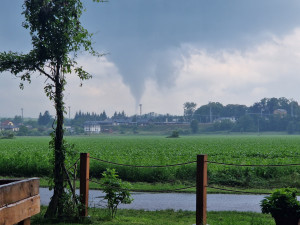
(29, 156)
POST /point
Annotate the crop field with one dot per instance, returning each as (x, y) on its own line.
(30, 156)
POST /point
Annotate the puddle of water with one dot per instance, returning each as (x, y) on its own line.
(175, 201)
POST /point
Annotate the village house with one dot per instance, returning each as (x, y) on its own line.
(220, 119)
(8, 126)
(92, 127)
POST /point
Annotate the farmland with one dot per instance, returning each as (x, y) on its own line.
(30, 156)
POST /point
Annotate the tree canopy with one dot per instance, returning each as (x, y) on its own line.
(44, 119)
(57, 36)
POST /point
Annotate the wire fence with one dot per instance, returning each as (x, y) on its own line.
(139, 166)
(186, 163)
(201, 180)
(254, 165)
(191, 162)
(159, 191)
(74, 164)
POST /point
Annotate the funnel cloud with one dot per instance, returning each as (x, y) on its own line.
(163, 53)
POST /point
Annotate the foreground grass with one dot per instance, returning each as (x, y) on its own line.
(168, 217)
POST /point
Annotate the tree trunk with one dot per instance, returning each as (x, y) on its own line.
(55, 207)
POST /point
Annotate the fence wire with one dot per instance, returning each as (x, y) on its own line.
(160, 191)
(189, 187)
(254, 165)
(139, 166)
(76, 162)
(191, 162)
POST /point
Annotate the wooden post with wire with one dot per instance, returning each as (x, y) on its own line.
(201, 183)
(84, 182)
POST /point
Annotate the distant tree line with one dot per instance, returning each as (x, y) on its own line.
(81, 117)
(269, 114)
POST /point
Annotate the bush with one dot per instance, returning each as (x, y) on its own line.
(282, 204)
(116, 191)
(175, 134)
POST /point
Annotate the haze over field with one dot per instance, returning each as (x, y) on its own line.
(163, 53)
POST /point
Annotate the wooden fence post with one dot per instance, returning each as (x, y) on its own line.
(84, 182)
(201, 183)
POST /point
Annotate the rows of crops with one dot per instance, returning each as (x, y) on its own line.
(30, 157)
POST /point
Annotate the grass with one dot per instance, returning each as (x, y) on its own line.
(30, 156)
(239, 218)
(168, 217)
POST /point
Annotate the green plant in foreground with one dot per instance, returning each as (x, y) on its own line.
(116, 191)
(282, 204)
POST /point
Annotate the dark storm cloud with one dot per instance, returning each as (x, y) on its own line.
(147, 39)
(134, 32)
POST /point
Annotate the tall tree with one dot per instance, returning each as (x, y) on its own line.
(44, 119)
(189, 109)
(209, 112)
(103, 115)
(57, 36)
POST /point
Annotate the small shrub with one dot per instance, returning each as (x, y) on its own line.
(175, 134)
(71, 210)
(282, 204)
(116, 191)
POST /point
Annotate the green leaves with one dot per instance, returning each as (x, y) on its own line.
(56, 32)
(116, 191)
(55, 28)
(49, 91)
(82, 74)
(282, 204)
(16, 63)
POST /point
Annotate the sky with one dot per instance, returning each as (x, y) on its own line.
(163, 53)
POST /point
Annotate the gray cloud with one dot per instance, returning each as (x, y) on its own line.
(144, 37)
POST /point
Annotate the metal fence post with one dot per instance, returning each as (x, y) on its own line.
(201, 183)
(84, 182)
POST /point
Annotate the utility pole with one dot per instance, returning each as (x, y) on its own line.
(210, 115)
